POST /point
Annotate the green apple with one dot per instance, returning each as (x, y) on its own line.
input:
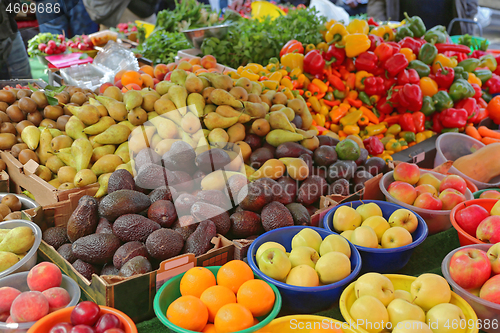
(275, 263)
(378, 224)
(335, 243)
(369, 313)
(364, 236)
(412, 326)
(494, 257)
(346, 218)
(303, 255)
(403, 294)
(404, 218)
(429, 290)
(400, 310)
(347, 234)
(376, 285)
(333, 267)
(396, 237)
(496, 209)
(303, 276)
(307, 237)
(430, 179)
(368, 210)
(265, 246)
(446, 318)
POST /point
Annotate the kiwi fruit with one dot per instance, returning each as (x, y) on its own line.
(7, 96)
(3, 106)
(35, 117)
(19, 138)
(15, 114)
(15, 91)
(40, 99)
(78, 98)
(53, 112)
(22, 125)
(61, 122)
(4, 210)
(4, 118)
(62, 98)
(7, 140)
(73, 90)
(23, 93)
(12, 201)
(3, 166)
(27, 154)
(17, 148)
(27, 105)
(49, 123)
(8, 128)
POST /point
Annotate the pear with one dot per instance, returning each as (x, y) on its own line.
(127, 167)
(279, 120)
(175, 116)
(114, 135)
(236, 133)
(100, 126)
(67, 186)
(290, 114)
(167, 129)
(99, 152)
(123, 152)
(84, 177)
(311, 143)
(188, 139)
(105, 164)
(55, 182)
(74, 128)
(228, 112)
(82, 151)
(31, 136)
(164, 105)
(87, 113)
(44, 173)
(307, 119)
(222, 97)
(54, 163)
(53, 131)
(126, 123)
(164, 145)
(193, 83)
(256, 110)
(297, 105)
(7, 260)
(202, 146)
(178, 95)
(209, 108)
(103, 185)
(215, 120)
(219, 81)
(66, 157)
(137, 116)
(113, 92)
(279, 136)
(116, 110)
(18, 240)
(256, 89)
(206, 94)
(148, 90)
(101, 108)
(190, 123)
(205, 81)
(249, 170)
(218, 138)
(149, 100)
(217, 180)
(163, 87)
(198, 135)
(44, 150)
(306, 134)
(272, 168)
(178, 76)
(196, 104)
(245, 83)
(296, 167)
(132, 99)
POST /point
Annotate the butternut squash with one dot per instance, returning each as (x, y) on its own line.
(482, 165)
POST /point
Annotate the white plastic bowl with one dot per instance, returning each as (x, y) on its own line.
(437, 220)
(29, 260)
(452, 146)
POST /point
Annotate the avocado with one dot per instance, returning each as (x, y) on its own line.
(375, 165)
(55, 236)
(325, 140)
(348, 149)
(291, 149)
(311, 190)
(202, 211)
(85, 269)
(134, 227)
(254, 197)
(360, 178)
(163, 193)
(151, 176)
(123, 202)
(146, 156)
(339, 187)
(324, 156)
(289, 187)
(136, 266)
(214, 197)
(260, 156)
(109, 269)
(183, 204)
(363, 156)
(271, 187)
(245, 224)
(162, 212)
(299, 213)
(128, 251)
(185, 226)
(164, 244)
(66, 252)
(213, 159)
(120, 179)
(96, 249)
(200, 241)
(184, 182)
(104, 227)
(83, 221)
(309, 161)
(233, 186)
(275, 215)
(341, 170)
(180, 157)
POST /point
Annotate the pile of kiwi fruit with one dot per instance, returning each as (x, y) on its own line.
(10, 208)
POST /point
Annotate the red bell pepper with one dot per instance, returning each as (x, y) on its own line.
(291, 47)
(396, 64)
(411, 43)
(451, 118)
(383, 106)
(395, 47)
(389, 82)
(477, 54)
(371, 21)
(408, 76)
(383, 52)
(419, 121)
(366, 61)
(458, 55)
(375, 41)
(334, 56)
(373, 145)
(443, 47)
(493, 84)
(410, 97)
(444, 76)
(436, 123)
(497, 71)
(374, 85)
(407, 123)
(470, 105)
(478, 91)
(314, 63)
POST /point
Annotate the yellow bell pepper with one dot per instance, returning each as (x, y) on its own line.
(393, 130)
(293, 60)
(419, 137)
(393, 146)
(335, 128)
(355, 44)
(309, 48)
(360, 76)
(285, 82)
(445, 61)
(320, 119)
(351, 129)
(276, 76)
(288, 93)
(240, 69)
(234, 75)
(322, 46)
(474, 79)
(254, 67)
(283, 72)
(428, 86)
(323, 88)
(315, 105)
(270, 84)
(329, 24)
(295, 73)
(358, 26)
(336, 33)
(383, 31)
(249, 75)
(372, 130)
(428, 134)
(408, 53)
(351, 118)
(324, 110)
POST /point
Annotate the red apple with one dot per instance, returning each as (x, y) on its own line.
(470, 217)
(403, 192)
(160, 71)
(491, 194)
(428, 201)
(490, 291)
(455, 182)
(470, 268)
(407, 172)
(489, 230)
(426, 188)
(450, 198)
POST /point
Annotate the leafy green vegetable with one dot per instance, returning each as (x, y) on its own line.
(50, 92)
(188, 14)
(162, 46)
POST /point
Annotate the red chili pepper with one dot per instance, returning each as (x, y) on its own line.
(444, 76)
(375, 42)
(336, 82)
(410, 97)
(408, 76)
(374, 85)
(412, 44)
(478, 54)
(366, 61)
(383, 106)
(383, 52)
(331, 103)
(391, 120)
(451, 118)
(373, 145)
(482, 103)
(436, 123)
(292, 46)
(407, 123)
(419, 121)
(469, 105)
(396, 64)
(493, 84)
(458, 55)
(371, 21)
(334, 56)
(443, 47)
(314, 63)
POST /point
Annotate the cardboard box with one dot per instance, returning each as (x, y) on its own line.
(4, 182)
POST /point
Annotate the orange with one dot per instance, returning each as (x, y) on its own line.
(210, 328)
(233, 318)
(257, 296)
(188, 312)
(215, 298)
(148, 70)
(131, 77)
(234, 274)
(196, 280)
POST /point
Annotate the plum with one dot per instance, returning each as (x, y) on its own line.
(61, 328)
(106, 322)
(85, 313)
(82, 329)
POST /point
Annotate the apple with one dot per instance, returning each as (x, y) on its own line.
(403, 192)
(489, 229)
(378, 224)
(490, 194)
(428, 201)
(494, 257)
(454, 182)
(412, 326)
(450, 198)
(475, 292)
(396, 237)
(368, 210)
(470, 217)
(429, 178)
(333, 267)
(376, 285)
(335, 243)
(446, 318)
(265, 246)
(403, 294)
(426, 188)
(407, 172)
(346, 218)
(470, 268)
(307, 237)
(347, 234)
(303, 255)
(364, 236)
(495, 210)
(490, 291)
(429, 290)
(369, 313)
(400, 310)
(404, 218)
(274, 263)
(303, 276)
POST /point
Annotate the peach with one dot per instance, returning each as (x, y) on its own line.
(44, 276)
(489, 229)
(407, 172)
(167, 77)
(147, 81)
(428, 201)
(455, 182)
(118, 75)
(119, 84)
(185, 66)
(199, 71)
(148, 70)
(160, 71)
(131, 86)
(403, 192)
(10, 320)
(208, 62)
(450, 198)
(171, 66)
(491, 194)
(104, 86)
(57, 297)
(29, 306)
(196, 67)
(184, 60)
(7, 296)
(4, 316)
(195, 61)
(213, 70)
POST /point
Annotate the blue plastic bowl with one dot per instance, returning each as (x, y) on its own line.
(383, 260)
(303, 299)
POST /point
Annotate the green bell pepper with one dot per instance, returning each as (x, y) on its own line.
(339, 94)
(427, 53)
(435, 36)
(483, 74)
(407, 136)
(442, 101)
(488, 60)
(450, 130)
(421, 68)
(469, 65)
(460, 73)
(440, 28)
(428, 107)
(416, 25)
(402, 32)
(461, 89)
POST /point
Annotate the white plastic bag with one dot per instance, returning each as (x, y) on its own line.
(330, 11)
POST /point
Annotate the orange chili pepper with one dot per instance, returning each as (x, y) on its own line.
(363, 121)
(355, 102)
(342, 133)
(320, 95)
(307, 94)
(351, 80)
(331, 103)
(338, 113)
(487, 141)
(370, 115)
(314, 89)
(336, 73)
(392, 119)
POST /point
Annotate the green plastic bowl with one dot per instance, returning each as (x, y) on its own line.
(170, 291)
(476, 41)
(478, 193)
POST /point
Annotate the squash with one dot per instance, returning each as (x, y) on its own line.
(482, 165)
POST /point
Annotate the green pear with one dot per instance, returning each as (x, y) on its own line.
(7, 260)
(74, 128)
(256, 89)
(18, 240)
(106, 164)
(163, 87)
(178, 95)
(101, 151)
(193, 84)
(222, 97)
(117, 110)
(44, 150)
(245, 83)
(132, 99)
(215, 120)
(178, 76)
(123, 152)
(114, 135)
(81, 150)
(279, 120)
(209, 108)
(196, 103)
(100, 126)
(279, 136)
(31, 136)
(103, 185)
(66, 157)
(219, 81)
(87, 113)
(84, 177)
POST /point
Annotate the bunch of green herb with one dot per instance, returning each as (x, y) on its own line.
(188, 14)
(162, 46)
(50, 92)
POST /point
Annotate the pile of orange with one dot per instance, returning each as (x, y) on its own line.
(230, 302)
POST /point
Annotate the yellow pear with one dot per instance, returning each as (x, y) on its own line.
(218, 138)
(7, 260)
(44, 150)
(18, 240)
(164, 145)
(215, 120)
(114, 135)
(236, 133)
(106, 164)
(164, 105)
(217, 180)
(227, 111)
(31, 136)
(196, 104)
(178, 95)
(100, 126)
(87, 113)
(132, 99)
(101, 108)
(222, 97)
(166, 128)
(296, 167)
(190, 123)
(84, 177)
(279, 120)
(272, 168)
(82, 151)
(123, 152)
(103, 185)
(279, 136)
(101, 151)
(74, 128)
(193, 83)
(116, 110)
